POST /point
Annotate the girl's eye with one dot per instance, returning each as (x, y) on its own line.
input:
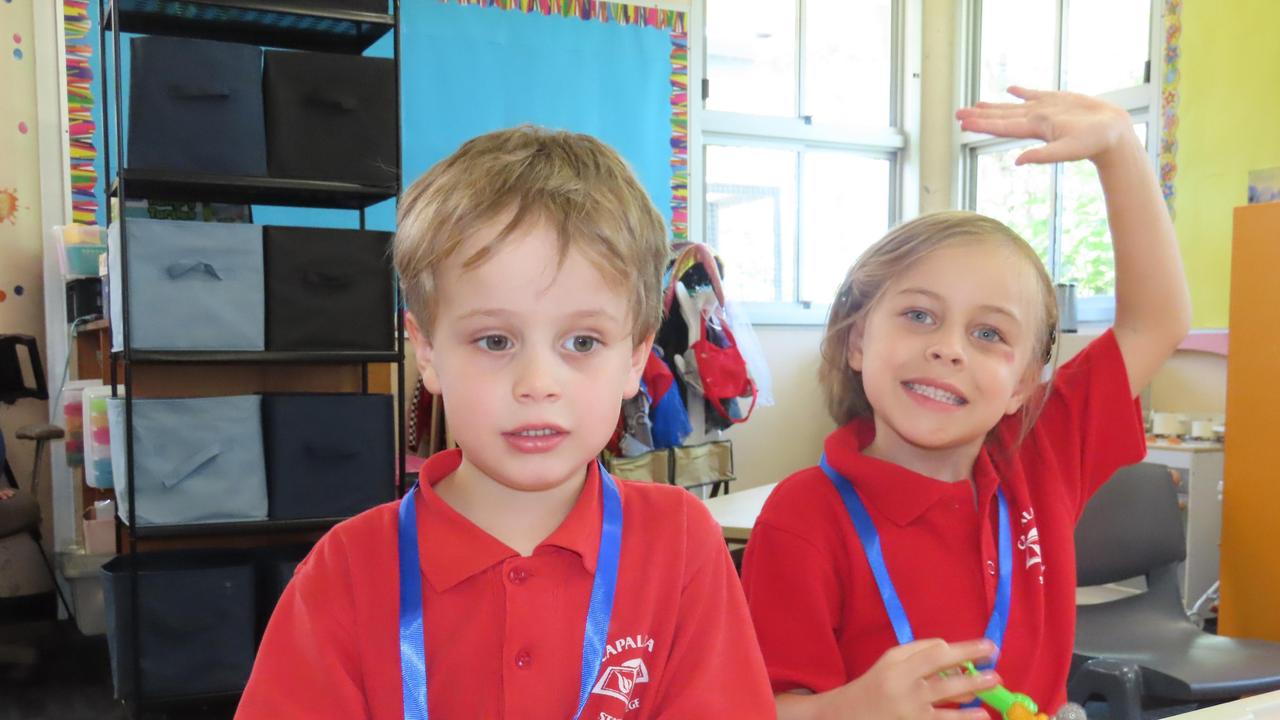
(988, 334)
(919, 316)
(581, 343)
(495, 343)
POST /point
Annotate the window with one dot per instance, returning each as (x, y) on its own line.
(799, 139)
(1059, 209)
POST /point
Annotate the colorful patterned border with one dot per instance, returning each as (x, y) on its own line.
(679, 137)
(1169, 100)
(673, 20)
(80, 125)
(592, 10)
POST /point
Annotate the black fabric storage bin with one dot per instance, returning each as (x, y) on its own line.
(328, 455)
(370, 6)
(196, 106)
(195, 622)
(275, 567)
(328, 289)
(331, 117)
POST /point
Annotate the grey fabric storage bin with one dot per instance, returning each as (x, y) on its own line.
(198, 460)
(195, 622)
(328, 455)
(196, 106)
(192, 286)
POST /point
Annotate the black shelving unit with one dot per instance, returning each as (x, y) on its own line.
(247, 190)
(252, 22)
(267, 24)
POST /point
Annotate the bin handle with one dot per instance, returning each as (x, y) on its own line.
(192, 91)
(332, 281)
(182, 268)
(345, 103)
(188, 467)
(330, 451)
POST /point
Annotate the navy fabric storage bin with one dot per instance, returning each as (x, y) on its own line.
(275, 565)
(328, 455)
(198, 460)
(196, 106)
(195, 622)
(192, 286)
(331, 117)
(328, 289)
(371, 6)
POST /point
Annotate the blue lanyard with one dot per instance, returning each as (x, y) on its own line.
(870, 539)
(413, 668)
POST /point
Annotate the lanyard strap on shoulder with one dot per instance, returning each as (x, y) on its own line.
(413, 668)
(871, 546)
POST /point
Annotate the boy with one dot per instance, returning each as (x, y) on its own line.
(531, 262)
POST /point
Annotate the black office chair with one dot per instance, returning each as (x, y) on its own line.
(1144, 648)
(27, 592)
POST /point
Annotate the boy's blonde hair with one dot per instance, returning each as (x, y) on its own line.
(576, 184)
(891, 255)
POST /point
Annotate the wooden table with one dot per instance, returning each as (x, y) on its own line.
(737, 511)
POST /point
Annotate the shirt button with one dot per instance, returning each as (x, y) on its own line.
(991, 567)
(523, 659)
(517, 575)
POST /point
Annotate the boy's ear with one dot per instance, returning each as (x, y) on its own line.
(639, 358)
(853, 351)
(422, 354)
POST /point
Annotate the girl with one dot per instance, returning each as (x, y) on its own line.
(944, 505)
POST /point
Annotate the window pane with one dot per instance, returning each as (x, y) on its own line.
(1020, 197)
(844, 209)
(848, 45)
(750, 216)
(1086, 239)
(1017, 46)
(751, 56)
(1120, 26)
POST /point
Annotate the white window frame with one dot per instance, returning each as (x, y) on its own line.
(895, 143)
(1141, 101)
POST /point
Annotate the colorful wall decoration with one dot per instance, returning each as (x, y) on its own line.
(80, 35)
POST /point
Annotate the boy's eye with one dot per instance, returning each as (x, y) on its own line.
(581, 343)
(988, 334)
(495, 343)
(919, 316)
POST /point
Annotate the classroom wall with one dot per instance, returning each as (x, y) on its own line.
(1229, 124)
(21, 286)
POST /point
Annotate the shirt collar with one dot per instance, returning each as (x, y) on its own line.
(897, 493)
(452, 548)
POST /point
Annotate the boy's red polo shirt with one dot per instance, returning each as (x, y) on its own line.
(817, 610)
(504, 632)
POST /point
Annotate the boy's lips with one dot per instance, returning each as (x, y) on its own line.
(535, 438)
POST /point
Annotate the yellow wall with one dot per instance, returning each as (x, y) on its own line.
(21, 286)
(1229, 124)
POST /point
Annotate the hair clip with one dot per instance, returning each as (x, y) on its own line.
(1048, 348)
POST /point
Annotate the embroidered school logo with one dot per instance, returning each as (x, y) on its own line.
(619, 681)
(1029, 543)
(619, 677)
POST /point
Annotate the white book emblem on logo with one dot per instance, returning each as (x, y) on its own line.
(619, 681)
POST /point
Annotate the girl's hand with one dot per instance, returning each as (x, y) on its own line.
(1073, 126)
(909, 681)
(6, 493)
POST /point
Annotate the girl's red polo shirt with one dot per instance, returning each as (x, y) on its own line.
(830, 625)
(504, 632)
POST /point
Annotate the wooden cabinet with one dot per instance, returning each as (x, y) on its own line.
(1251, 496)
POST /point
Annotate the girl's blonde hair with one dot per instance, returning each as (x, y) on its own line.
(891, 255)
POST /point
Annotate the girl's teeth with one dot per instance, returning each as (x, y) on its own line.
(536, 433)
(935, 393)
